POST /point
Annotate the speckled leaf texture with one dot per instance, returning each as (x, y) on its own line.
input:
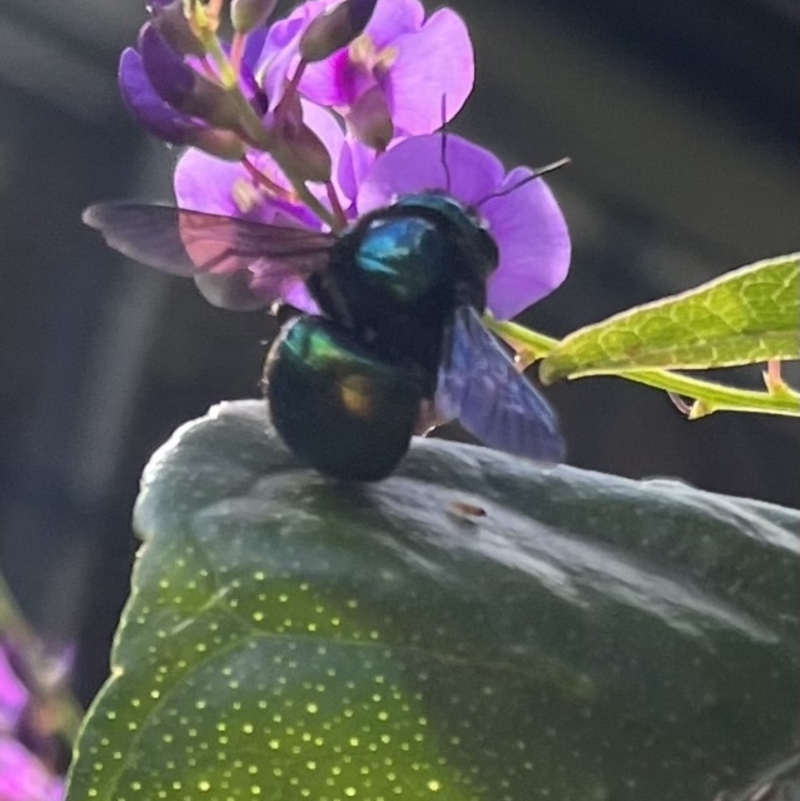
(749, 315)
(474, 628)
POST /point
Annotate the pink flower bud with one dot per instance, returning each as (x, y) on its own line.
(335, 29)
(370, 119)
(247, 15)
(183, 88)
(222, 144)
(170, 21)
(303, 154)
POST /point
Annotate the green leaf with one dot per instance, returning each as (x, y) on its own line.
(708, 395)
(748, 315)
(474, 628)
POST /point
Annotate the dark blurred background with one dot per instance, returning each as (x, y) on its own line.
(681, 120)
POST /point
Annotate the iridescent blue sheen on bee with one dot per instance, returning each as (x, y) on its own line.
(402, 271)
(399, 343)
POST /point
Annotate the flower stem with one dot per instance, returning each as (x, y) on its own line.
(208, 69)
(227, 73)
(237, 51)
(204, 21)
(341, 217)
(305, 195)
(313, 205)
(213, 9)
(299, 186)
(265, 181)
(709, 396)
(291, 87)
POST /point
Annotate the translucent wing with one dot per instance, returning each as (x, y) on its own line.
(238, 263)
(480, 387)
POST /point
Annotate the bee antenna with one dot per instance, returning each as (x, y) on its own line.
(556, 165)
(443, 155)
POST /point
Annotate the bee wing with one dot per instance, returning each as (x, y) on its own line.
(222, 253)
(480, 387)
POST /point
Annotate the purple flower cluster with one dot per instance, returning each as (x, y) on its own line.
(26, 753)
(329, 113)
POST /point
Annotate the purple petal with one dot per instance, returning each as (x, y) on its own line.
(331, 82)
(23, 777)
(253, 47)
(298, 297)
(13, 695)
(295, 293)
(173, 80)
(532, 236)
(437, 62)
(355, 162)
(205, 183)
(328, 128)
(165, 122)
(279, 57)
(337, 81)
(415, 165)
(393, 18)
(147, 107)
(527, 224)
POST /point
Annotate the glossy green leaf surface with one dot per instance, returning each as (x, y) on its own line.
(748, 315)
(475, 628)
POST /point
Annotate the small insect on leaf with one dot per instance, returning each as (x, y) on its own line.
(465, 511)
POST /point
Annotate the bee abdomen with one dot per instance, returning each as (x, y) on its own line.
(335, 404)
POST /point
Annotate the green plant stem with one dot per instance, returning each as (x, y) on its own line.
(311, 202)
(710, 396)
